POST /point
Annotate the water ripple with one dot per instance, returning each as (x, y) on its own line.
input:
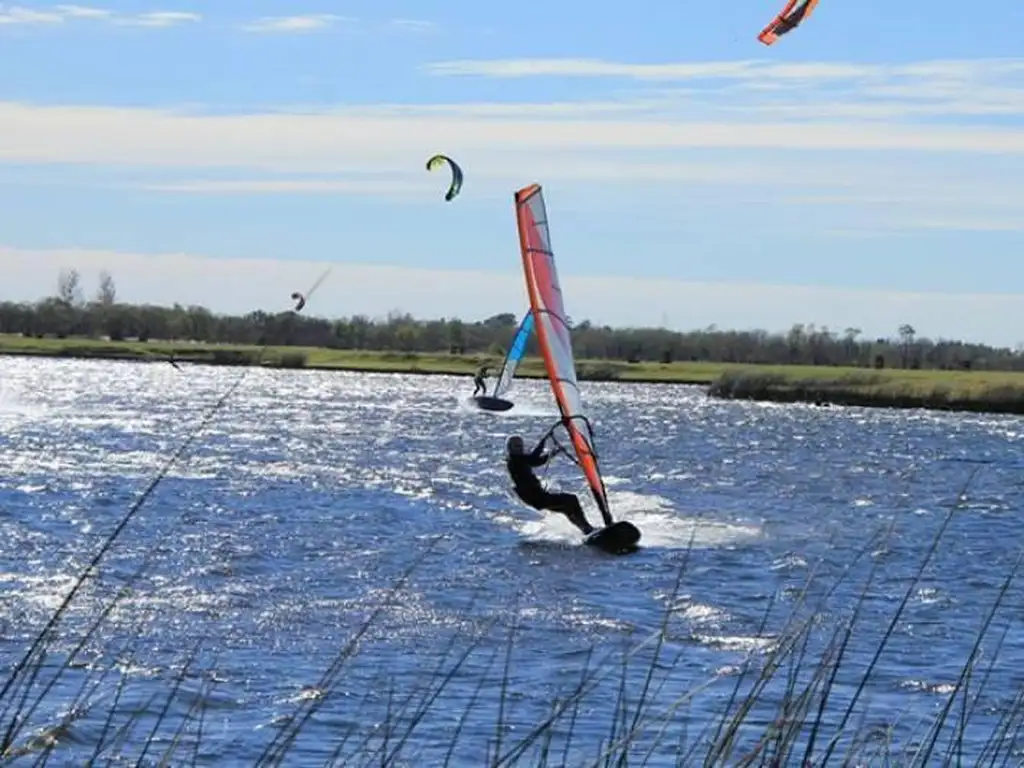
(285, 525)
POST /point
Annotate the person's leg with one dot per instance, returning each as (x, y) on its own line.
(569, 505)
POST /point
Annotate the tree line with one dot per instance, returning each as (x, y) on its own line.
(69, 314)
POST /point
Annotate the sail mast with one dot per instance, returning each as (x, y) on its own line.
(554, 335)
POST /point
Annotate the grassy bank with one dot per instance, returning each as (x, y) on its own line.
(319, 358)
(978, 391)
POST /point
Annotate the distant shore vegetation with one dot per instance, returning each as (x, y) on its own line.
(69, 314)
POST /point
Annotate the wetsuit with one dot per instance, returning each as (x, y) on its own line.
(528, 488)
(479, 384)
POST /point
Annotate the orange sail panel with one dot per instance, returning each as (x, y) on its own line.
(795, 12)
(553, 333)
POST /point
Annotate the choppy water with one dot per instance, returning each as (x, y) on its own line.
(284, 526)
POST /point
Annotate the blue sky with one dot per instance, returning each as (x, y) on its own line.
(866, 170)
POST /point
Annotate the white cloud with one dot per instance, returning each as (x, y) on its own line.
(306, 23)
(158, 19)
(895, 175)
(322, 21)
(888, 193)
(240, 285)
(84, 12)
(749, 69)
(806, 90)
(17, 15)
(280, 186)
(970, 223)
(58, 14)
(531, 136)
(510, 68)
(581, 109)
(816, 141)
(641, 136)
(400, 137)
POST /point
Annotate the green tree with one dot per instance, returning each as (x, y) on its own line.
(63, 314)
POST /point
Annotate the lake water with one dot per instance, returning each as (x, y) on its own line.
(280, 533)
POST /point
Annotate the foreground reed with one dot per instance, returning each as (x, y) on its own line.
(799, 701)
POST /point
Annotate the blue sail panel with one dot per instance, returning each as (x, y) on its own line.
(515, 354)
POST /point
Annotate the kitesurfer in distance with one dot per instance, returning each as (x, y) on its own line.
(480, 381)
(528, 488)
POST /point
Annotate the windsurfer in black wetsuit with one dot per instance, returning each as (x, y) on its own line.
(479, 381)
(528, 488)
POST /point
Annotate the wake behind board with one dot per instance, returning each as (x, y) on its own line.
(488, 403)
(619, 538)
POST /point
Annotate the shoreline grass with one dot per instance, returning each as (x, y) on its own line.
(968, 391)
(363, 361)
(999, 392)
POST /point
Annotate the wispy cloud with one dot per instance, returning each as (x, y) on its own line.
(292, 24)
(158, 19)
(58, 14)
(20, 15)
(970, 223)
(513, 68)
(324, 21)
(616, 300)
(813, 142)
(414, 25)
(285, 186)
(898, 177)
(752, 69)
(828, 183)
(335, 140)
(807, 90)
(84, 12)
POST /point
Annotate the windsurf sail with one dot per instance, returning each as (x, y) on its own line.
(553, 334)
(515, 355)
